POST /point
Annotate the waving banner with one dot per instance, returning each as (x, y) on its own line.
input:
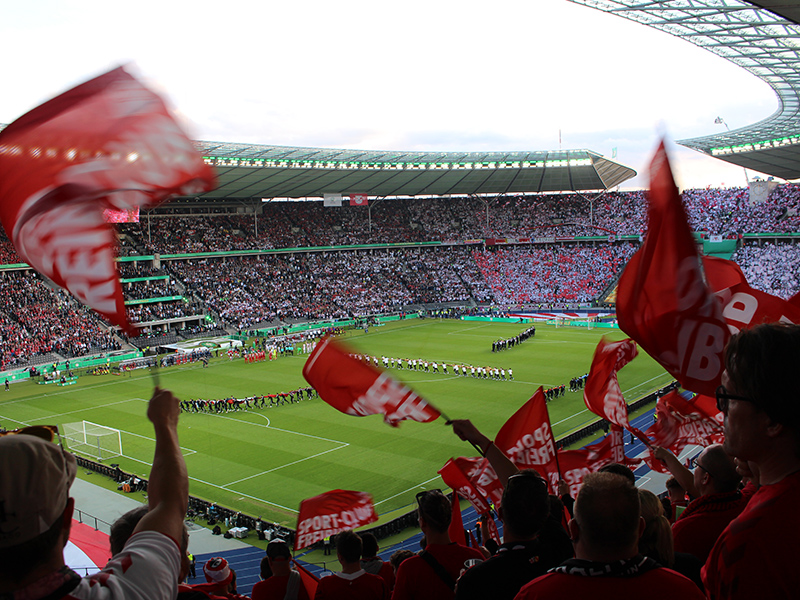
(109, 143)
(662, 300)
(330, 513)
(527, 439)
(456, 478)
(602, 393)
(358, 389)
(576, 464)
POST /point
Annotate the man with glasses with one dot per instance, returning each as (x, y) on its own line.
(714, 486)
(36, 515)
(756, 555)
(432, 574)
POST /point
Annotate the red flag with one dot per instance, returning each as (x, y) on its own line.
(743, 306)
(456, 529)
(663, 302)
(527, 438)
(601, 393)
(456, 478)
(358, 200)
(109, 143)
(356, 388)
(330, 513)
(307, 578)
(681, 423)
(576, 464)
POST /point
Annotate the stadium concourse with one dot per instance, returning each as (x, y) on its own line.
(185, 275)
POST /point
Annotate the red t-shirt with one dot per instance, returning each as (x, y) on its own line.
(699, 526)
(657, 584)
(274, 588)
(416, 579)
(356, 586)
(756, 556)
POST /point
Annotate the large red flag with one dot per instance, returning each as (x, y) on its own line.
(456, 478)
(662, 301)
(330, 513)
(109, 143)
(602, 393)
(576, 464)
(482, 477)
(743, 306)
(527, 438)
(681, 423)
(456, 529)
(356, 388)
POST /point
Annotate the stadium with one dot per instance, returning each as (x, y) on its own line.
(430, 257)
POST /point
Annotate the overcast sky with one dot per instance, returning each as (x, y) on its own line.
(377, 75)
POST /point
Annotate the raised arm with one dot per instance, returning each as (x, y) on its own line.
(682, 475)
(168, 490)
(502, 465)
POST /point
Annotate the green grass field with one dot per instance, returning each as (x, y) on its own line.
(265, 461)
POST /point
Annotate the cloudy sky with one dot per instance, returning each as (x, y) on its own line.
(376, 75)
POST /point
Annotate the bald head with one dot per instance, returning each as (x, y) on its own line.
(720, 468)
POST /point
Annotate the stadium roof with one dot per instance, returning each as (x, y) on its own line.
(253, 171)
(765, 43)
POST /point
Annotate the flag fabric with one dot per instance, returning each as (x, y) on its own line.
(109, 143)
(527, 439)
(455, 477)
(358, 389)
(662, 300)
(456, 529)
(602, 393)
(330, 513)
(576, 464)
(307, 578)
(331, 199)
(358, 200)
(681, 423)
(743, 306)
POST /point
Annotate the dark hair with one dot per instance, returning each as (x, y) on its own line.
(619, 469)
(525, 503)
(123, 527)
(761, 364)
(672, 484)
(435, 509)
(16, 562)
(369, 545)
(607, 511)
(348, 545)
(399, 556)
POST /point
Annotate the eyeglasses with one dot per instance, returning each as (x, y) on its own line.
(723, 397)
(693, 462)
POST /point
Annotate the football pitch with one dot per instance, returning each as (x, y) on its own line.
(264, 461)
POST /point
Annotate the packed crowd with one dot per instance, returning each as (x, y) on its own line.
(771, 268)
(522, 275)
(727, 212)
(36, 319)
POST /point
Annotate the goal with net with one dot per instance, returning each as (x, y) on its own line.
(93, 440)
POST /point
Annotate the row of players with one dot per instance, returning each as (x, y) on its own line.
(413, 364)
(234, 404)
(507, 343)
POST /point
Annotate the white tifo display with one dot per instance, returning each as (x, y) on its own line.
(93, 440)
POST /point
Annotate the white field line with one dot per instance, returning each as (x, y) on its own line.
(413, 487)
(286, 465)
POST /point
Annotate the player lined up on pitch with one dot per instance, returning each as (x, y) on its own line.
(232, 404)
(415, 364)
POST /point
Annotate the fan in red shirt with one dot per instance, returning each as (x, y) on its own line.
(352, 582)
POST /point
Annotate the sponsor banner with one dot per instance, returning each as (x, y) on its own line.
(358, 200)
